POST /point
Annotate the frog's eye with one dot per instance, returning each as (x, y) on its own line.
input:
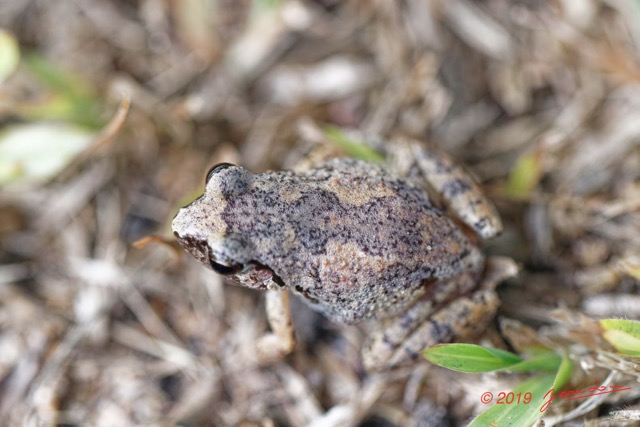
(215, 169)
(225, 270)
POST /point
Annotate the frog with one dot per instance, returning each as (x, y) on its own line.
(396, 243)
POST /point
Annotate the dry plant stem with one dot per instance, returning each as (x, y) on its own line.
(108, 134)
(616, 419)
(68, 200)
(614, 362)
(147, 316)
(352, 412)
(133, 338)
(42, 393)
(302, 406)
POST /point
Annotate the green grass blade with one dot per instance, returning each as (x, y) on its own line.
(547, 361)
(71, 99)
(352, 148)
(564, 373)
(470, 357)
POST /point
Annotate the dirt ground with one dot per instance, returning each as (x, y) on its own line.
(539, 100)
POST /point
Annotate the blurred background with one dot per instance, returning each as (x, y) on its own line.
(538, 99)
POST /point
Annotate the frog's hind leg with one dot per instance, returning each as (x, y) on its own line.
(450, 182)
(391, 337)
(461, 319)
(430, 322)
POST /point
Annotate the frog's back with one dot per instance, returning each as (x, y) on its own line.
(353, 240)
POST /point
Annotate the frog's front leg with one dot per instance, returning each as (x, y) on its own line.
(456, 188)
(281, 340)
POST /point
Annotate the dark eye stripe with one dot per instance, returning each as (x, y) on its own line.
(215, 169)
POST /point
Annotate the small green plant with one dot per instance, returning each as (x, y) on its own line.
(551, 372)
(528, 400)
(55, 129)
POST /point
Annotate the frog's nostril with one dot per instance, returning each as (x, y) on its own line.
(176, 235)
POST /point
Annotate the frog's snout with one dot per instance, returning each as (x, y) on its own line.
(195, 247)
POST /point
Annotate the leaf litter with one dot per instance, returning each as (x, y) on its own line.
(537, 99)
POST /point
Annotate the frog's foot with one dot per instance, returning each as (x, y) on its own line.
(405, 336)
(450, 182)
(281, 341)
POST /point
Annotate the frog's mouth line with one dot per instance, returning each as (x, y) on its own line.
(252, 274)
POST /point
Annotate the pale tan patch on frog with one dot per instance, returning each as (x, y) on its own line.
(289, 239)
(334, 221)
(289, 195)
(451, 245)
(344, 262)
(212, 209)
(357, 196)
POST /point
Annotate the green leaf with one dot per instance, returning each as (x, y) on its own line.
(470, 357)
(352, 148)
(38, 151)
(564, 373)
(518, 414)
(524, 176)
(547, 361)
(631, 327)
(623, 335)
(9, 55)
(54, 78)
(624, 343)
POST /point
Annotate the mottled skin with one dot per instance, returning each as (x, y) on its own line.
(354, 240)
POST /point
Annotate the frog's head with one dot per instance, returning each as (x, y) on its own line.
(202, 230)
